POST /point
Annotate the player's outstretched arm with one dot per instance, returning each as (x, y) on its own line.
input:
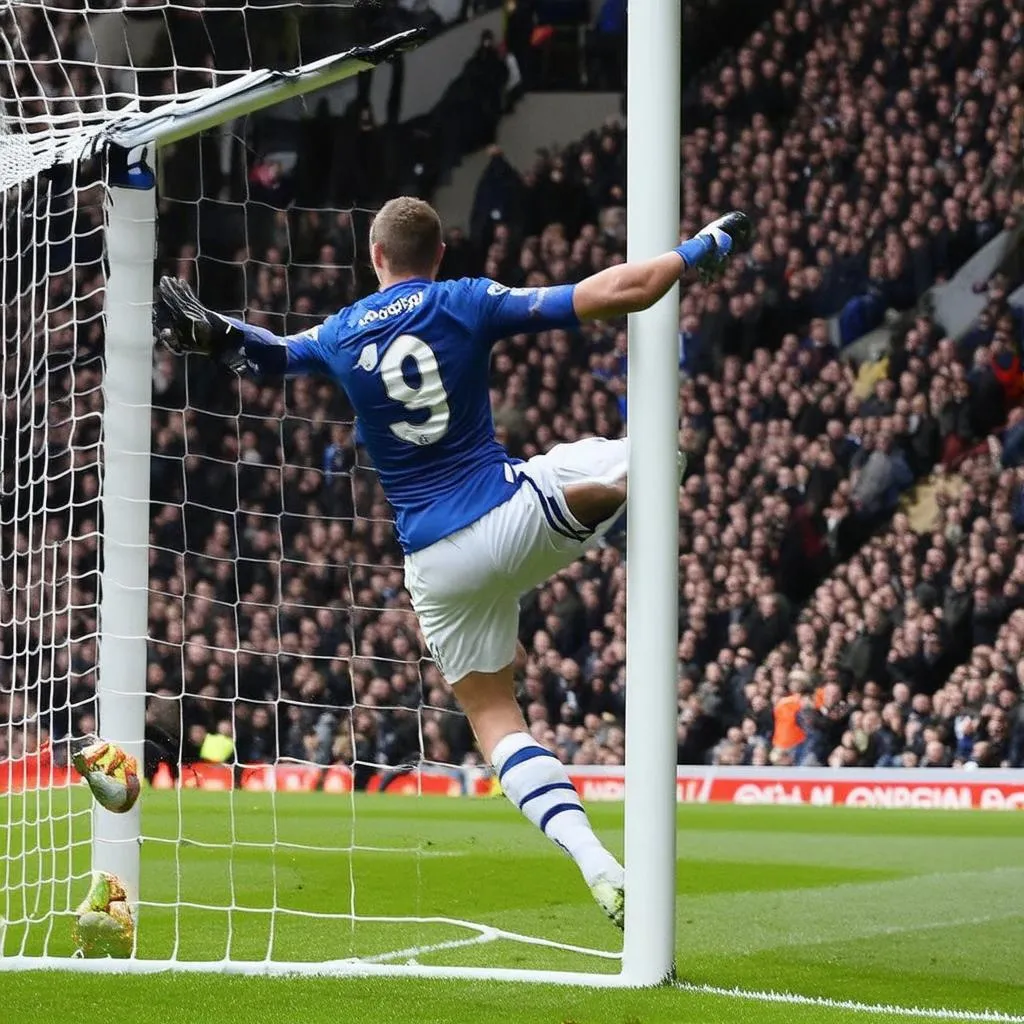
(631, 287)
(184, 324)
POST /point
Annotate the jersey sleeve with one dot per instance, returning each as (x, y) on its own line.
(503, 311)
(268, 354)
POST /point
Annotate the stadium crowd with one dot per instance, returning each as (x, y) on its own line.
(878, 146)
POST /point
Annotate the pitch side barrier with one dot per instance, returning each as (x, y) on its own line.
(942, 789)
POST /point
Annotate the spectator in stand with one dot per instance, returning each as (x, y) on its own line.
(789, 735)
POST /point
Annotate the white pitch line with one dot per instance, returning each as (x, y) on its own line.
(873, 1009)
(532, 940)
(486, 935)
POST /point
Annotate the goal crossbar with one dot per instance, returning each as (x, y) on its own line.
(253, 91)
(23, 155)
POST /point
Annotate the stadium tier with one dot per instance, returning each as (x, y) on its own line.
(797, 583)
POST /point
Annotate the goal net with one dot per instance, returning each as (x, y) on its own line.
(201, 567)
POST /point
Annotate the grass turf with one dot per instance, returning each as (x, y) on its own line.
(911, 908)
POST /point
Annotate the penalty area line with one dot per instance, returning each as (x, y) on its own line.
(874, 1009)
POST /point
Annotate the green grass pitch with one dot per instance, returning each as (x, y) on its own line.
(878, 908)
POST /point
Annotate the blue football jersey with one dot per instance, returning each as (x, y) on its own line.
(414, 360)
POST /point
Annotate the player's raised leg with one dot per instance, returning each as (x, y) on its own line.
(537, 782)
(590, 477)
(593, 502)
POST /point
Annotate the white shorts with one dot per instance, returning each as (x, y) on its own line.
(466, 588)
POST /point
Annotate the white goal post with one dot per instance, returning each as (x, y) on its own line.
(129, 142)
(652, 598)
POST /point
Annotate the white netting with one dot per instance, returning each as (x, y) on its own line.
(282, 638)
(278, 614)
(283, 652)
(49, 536)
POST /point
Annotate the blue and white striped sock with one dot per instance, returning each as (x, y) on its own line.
(537, 783)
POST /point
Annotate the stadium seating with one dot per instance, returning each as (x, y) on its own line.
(829, 613)
(802, 468)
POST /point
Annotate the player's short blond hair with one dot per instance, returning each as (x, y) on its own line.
(409, 233)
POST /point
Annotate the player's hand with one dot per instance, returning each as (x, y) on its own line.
(184, 324)
(730, 234)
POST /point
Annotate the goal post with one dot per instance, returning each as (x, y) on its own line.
(129, 142)
(127, 416)
(652, 557)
